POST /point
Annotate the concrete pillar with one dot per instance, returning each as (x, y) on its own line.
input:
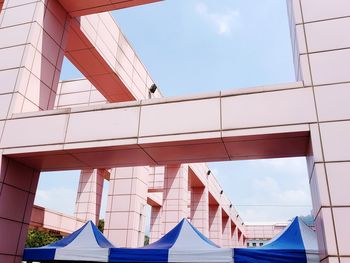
(226, 231)
(244, 241)
(18, 185)
(155, 226)
(234, 235)
(321, 59)
(175, 196)
(32, 49)
(88, 202)
(240, 239)
(215, 224)
(200, 209)
(126, 206)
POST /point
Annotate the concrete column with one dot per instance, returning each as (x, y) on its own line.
(321, 59)
(32, 46)
(215, 224)
(88, 202)
(200, 209)
(175, 196)
(32, 49)
(234, 235)
(18, 185)
(244, 241)
(155, 226)
(323, 211)
(226, 231)
(126, 206)
(240, 239)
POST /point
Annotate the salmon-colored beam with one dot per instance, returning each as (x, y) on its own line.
(215, 127)
(88, 60)
(98, 48)
(83, 7)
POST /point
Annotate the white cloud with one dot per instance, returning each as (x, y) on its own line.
(273, 192)
(268, 190)
(266, 184)
(224, 23)
(59, 199)
(293, 164)
(273, 202)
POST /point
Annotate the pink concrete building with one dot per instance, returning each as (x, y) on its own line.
(41, 131)
(258, 234)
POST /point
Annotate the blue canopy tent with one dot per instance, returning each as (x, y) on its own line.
(296, 244)
(184, 243)
(87, 244)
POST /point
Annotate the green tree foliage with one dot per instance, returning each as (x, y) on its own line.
(101, 225)
(146, 240)
(37, 238)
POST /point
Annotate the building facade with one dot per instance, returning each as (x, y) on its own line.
(309, 117)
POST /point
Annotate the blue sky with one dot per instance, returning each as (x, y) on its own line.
(196, 46)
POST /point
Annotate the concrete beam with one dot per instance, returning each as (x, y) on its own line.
(164, 131)
(83, 7)
(48, 219)
(98, 48)
(155, 199)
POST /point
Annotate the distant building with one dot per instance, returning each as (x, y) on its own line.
(260, 233)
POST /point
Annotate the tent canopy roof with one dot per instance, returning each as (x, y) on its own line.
(85, 244)
(183, 235)
(296, 244)
(296, 236)
(184, 243)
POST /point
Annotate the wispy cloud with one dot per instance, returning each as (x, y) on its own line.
(60, 199)
(224, 23)
(267, 190)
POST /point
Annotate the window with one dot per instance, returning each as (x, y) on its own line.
(254, 244)
(260, 244)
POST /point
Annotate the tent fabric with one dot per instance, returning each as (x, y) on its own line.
(296, 244)
(184, 243)
(85, 244)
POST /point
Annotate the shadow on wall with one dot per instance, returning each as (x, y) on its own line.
(53, 42)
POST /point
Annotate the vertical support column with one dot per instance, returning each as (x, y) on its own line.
(155, 228)
(244, 241)
(200, 209)
(126, 206)
(175, 196)
(226, 231)
(32, 50)
(322, 58)
(215, 224)
(240, 238)
(234, 235)
(18, 185)
(88, 203)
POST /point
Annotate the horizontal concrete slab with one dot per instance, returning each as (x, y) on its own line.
(163, 131)
(83, 7)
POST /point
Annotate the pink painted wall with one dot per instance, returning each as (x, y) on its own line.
(126, 206)
(313, 112)
(89, 196)
(321, 58)
(47, 219)
(264, 231)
